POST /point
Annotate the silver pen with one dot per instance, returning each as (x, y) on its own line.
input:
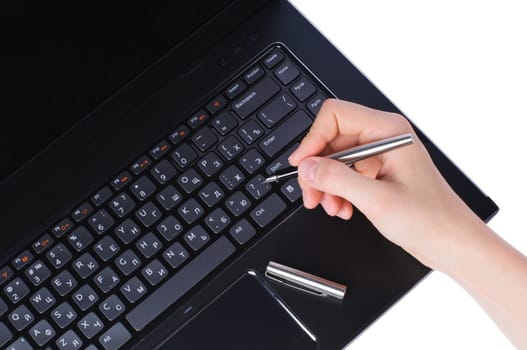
(354, 154)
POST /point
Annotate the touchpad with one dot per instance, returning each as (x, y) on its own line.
(247, 315)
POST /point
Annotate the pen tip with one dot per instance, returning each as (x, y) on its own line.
(269, 180)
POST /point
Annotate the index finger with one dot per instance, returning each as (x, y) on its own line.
(356, 123)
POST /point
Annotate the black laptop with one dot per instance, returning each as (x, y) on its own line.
(134, 142)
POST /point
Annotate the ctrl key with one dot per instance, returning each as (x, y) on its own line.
(268, 210)
(115, 337)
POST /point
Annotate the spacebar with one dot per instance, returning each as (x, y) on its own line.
(175, 287)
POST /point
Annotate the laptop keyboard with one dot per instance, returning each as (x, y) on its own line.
(131, 250)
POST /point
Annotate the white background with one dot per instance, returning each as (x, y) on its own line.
(458, 69)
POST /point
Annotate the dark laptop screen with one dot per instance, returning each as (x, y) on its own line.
(59, 62)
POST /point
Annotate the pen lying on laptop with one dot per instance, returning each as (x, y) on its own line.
(354, 154)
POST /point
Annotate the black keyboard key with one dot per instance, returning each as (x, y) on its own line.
(21, 317)
(42, 243)
(210, 164)
(143, 188)
(148, 245)
(290, 129)
(163, 171)
(255, 97)
(106, 280)
(230, 148)
(115, 337)
(242, 231)
(90, 325)
(64, 283)
(257, 188)
(196, 237)
(179, 134)
(238, 203)
(154, 272)
(180, 283)
(216, 104)
(127, 231)
(217, 221)
(170, 228)
(190, 211)
(273, 59)
(197, 119)
(16, 290)
(184, 155)
(235, 89)
(63, 315)
(3, 307)
(121, 180)
(190, 180)
(232, 177)
(42, 300)
(122, 204)
(148, 214)
(175, 255)
(58, 255)
(101, 221)
(133, 290)
(268, 210)
(160, 149)
(211, 194)
(204, 139)
(252, 161)
(22, 259)
(277, 110)
(37, 272)
(127, 262)
(224, 123)
(303, 89)
(85, 297)
(112, 307)
(62, 227)
(286, 73)
(253, 74)
(106, 248)
(80, 238)
(281, 162)
(140, 165)
(85, 265)
(315, 103)
(42, 332)
(101, 196)
(5, 334)
(250, 132)
(69, 341)
(20, 344)
(291, 189)
(81, 211)
(5, 273)
(169, 197)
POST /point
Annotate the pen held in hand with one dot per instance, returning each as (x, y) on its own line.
(355, 154)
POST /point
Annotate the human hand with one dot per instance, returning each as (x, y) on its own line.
(401, 192)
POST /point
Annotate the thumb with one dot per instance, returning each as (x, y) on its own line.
(336, 178)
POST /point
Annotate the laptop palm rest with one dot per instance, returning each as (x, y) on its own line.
(247, 315)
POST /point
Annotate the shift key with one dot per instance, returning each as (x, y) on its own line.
(285, 133)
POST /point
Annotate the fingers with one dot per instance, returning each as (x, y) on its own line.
(321, 175)
(341, 122)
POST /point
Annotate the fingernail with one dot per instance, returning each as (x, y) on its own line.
(292, 158)
(307, 169)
